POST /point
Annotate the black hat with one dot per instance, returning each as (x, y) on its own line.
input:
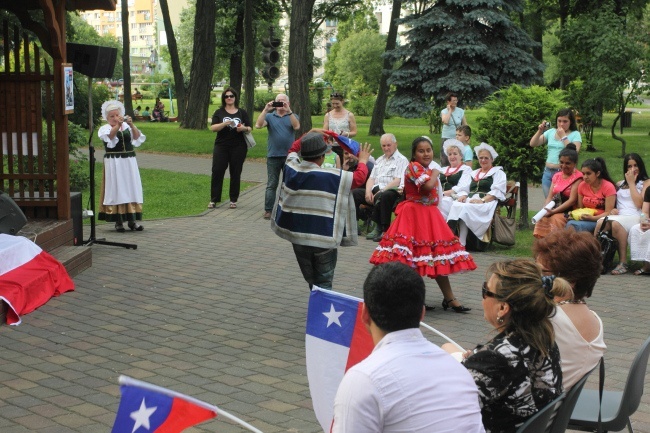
(312, 146)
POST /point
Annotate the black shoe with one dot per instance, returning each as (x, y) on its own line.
(429, 307)
(378, 237)
(119, 227)
(135, 226)
(460, 309)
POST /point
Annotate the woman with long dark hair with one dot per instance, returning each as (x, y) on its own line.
(597, 191)
(230, 123)
(629, 199)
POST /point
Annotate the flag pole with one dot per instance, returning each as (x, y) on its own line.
(125, 380)
(431, 328)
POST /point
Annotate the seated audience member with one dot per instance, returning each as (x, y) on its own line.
(464, 135)
(574, 256)
(136, 112)
(475, 208)
(157, 115)
(146, 112)
(627, 213)
(564, 191)
(406, 384)
(517, 372)
(596, 193)
(639, 238)
(384, 186)
(455, 179)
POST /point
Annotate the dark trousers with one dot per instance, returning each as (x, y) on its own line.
(231, 157)
(359, 196)
(382, 210)
(316, 264)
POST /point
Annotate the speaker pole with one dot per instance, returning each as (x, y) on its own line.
(91, 155)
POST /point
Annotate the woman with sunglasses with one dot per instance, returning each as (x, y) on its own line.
(518, 372)
(230, 123)
(339, 120)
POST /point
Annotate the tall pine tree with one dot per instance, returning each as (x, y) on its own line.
(466, 46)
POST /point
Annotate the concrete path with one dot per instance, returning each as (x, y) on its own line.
(214, 306)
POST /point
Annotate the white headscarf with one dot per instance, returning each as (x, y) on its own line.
(485, 146)
(111, 105)
(452, 142)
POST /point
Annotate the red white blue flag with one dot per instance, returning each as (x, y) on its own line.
(148, 408)
(335, 340)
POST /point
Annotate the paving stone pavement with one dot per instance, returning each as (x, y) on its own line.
(214, 306)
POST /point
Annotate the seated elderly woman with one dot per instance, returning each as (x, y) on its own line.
(563, 191)
(474, 208)
(574, 256)
(639, 238)
(629, 199)
(456, 177)
(517, 372)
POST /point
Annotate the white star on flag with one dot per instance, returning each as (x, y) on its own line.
(333, 316)
(141, 416)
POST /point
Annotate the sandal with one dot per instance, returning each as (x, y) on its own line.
(119, 228)
(211, 205)
(642, 272)
(233, 205)
(620, 269)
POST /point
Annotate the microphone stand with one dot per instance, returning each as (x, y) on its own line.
(91, 155)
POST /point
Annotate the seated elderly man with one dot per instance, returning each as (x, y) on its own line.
(384, 186)
(475, 208)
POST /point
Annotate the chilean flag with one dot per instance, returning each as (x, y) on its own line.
(148, 408)
(29, 276)
(335, 340)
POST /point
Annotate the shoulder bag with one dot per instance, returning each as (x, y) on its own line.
(250, 140)
(608, 246)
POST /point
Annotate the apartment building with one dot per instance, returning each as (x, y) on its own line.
(142, 31)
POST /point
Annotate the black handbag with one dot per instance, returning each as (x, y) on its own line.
(608, 246)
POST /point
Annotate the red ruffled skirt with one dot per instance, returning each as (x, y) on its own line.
(420, 238)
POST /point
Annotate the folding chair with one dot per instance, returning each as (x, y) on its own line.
(542, 421)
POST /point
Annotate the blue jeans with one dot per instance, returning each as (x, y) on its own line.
(547, 179)
(274, 166)
(582, 226)
(316, 264)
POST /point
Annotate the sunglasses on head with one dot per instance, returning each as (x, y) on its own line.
(485, 292)
(229, 96)
(336, 95)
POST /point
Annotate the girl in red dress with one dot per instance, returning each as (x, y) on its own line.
(419, 235)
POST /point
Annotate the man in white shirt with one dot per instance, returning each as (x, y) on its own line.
(407, 384)
(384, 186)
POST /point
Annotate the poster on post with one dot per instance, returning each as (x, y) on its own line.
(68, 89)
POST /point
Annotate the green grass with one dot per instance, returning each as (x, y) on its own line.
(167, 194)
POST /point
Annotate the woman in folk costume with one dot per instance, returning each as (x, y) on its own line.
(419, 236)
(121, 195)
(456, 177)
(475, 208)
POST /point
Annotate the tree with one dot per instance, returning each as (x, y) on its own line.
(299, 49)
(469, 47)
(512, 115)
(126, 58)
(359, 62)
(249, 57)
(609, 58)
(179, 80)
(198, 95)
(379, 111)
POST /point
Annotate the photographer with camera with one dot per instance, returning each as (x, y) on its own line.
(565, 132)
(281, 123)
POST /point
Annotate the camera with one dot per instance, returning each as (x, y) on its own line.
(277, 104)
(547, 125)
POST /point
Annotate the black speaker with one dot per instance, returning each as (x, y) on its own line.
(92, 60)
(12, 219)
(77, 218)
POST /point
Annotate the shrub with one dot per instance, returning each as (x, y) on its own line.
(362, 105)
